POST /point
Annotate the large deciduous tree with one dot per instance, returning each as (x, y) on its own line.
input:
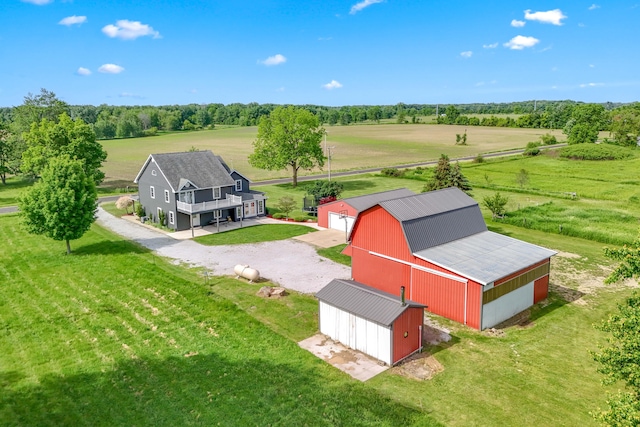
(288, 137)
(586, 121)
(620, 360)
(10, 154)
(61, 205)
(73, 138)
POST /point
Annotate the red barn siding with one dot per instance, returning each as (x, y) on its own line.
(378, 272)
(337, 206)
(410, 322)
(442, 296)
(474, 304)
(540, 289)
(521, 272)
(377, 231)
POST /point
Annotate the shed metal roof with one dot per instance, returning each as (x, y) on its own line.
(202, 168)
(364, 301)
(485, 257)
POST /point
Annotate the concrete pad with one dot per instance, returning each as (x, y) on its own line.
(324, 238)
(357, 364)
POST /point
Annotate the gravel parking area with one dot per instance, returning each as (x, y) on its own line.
(289, 263)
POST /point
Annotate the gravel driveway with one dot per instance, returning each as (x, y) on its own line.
(289, 263)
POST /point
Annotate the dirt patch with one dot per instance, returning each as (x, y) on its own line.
(342, 357)
(522, 319)
(420, 366)
(433, 333)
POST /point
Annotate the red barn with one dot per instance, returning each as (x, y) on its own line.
(342, 213)
(437, 245)
(374, 322)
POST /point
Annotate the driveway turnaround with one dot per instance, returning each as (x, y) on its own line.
(289, 263)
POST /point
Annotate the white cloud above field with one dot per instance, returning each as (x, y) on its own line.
(38, 2)
(594, 7)
(517, 24)
(584, 85)
(333, 84)
(490, 46)
(521, 42)
(110, 69)
(466, 54)
(129, 30)
(273, 60)
(362, 5)
(73, 20)
(83, 71)
(554, 16)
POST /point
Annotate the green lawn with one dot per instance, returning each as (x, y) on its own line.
(255, 234)
(10, 192)
(112, 335)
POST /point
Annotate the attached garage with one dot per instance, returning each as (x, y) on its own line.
(376, 323)
(332, 215)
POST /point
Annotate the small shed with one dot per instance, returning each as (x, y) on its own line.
(374, 322)
(342, 213)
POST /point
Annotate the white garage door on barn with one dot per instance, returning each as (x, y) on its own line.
(336, 222)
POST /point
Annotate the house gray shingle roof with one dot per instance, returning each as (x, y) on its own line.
(485, 257)
(364, 301)
(361, 203)
(203, 168)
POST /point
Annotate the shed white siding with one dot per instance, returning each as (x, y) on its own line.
(356, 332)
(507, 306)
(337, 223)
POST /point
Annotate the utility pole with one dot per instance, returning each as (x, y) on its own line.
(329, 160)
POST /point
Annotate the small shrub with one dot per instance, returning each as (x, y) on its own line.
(152, 131)
(140, 211)
(321, 189)
(123, 203)
(532, 149)
(327, 199)
(478, 159)
(279, 215)
(595, 152)
(162, 218)
(392, 172)
(548, 139)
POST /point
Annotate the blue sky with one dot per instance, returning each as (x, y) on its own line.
(331, 52)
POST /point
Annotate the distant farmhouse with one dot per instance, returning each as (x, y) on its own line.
(194, 189)
(436, 245)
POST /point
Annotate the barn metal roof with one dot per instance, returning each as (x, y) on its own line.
(364, 301)
(485, 257)
(361, 203)
(427, 204)
(202, 168)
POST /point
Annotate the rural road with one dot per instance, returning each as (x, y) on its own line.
(10, 209)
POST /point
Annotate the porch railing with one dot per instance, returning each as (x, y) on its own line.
(230, 201)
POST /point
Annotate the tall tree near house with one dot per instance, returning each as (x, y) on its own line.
(457, 179)
(73, 138)
(288, 137)
(62, 204)
(35, 108)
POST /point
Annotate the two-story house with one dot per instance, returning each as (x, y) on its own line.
(194, 189)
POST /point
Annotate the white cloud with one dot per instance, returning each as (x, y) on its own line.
(363, 4)
(334, 84)
(274, 60)
(490, 46)
(594, 7)
(280, 89)
(324, 39)
(466, 54)
(554, 16)
(71, 20)
(130, 95)
(129, 30)
(517, 24)
(591, 85)
(38, 2)
(592, 66)
(520, 42)
(83, 71)
(111, 69)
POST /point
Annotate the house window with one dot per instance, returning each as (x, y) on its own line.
(217, 214)
(260, 207)
(166, 196)
(172, 218)
(152, 192)
(238, 185)
(216, 192)
(238, 212)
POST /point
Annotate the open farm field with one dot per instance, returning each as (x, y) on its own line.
(114, 335)
(354, 147)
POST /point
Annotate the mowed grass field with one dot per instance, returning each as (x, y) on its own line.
(354, 147)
